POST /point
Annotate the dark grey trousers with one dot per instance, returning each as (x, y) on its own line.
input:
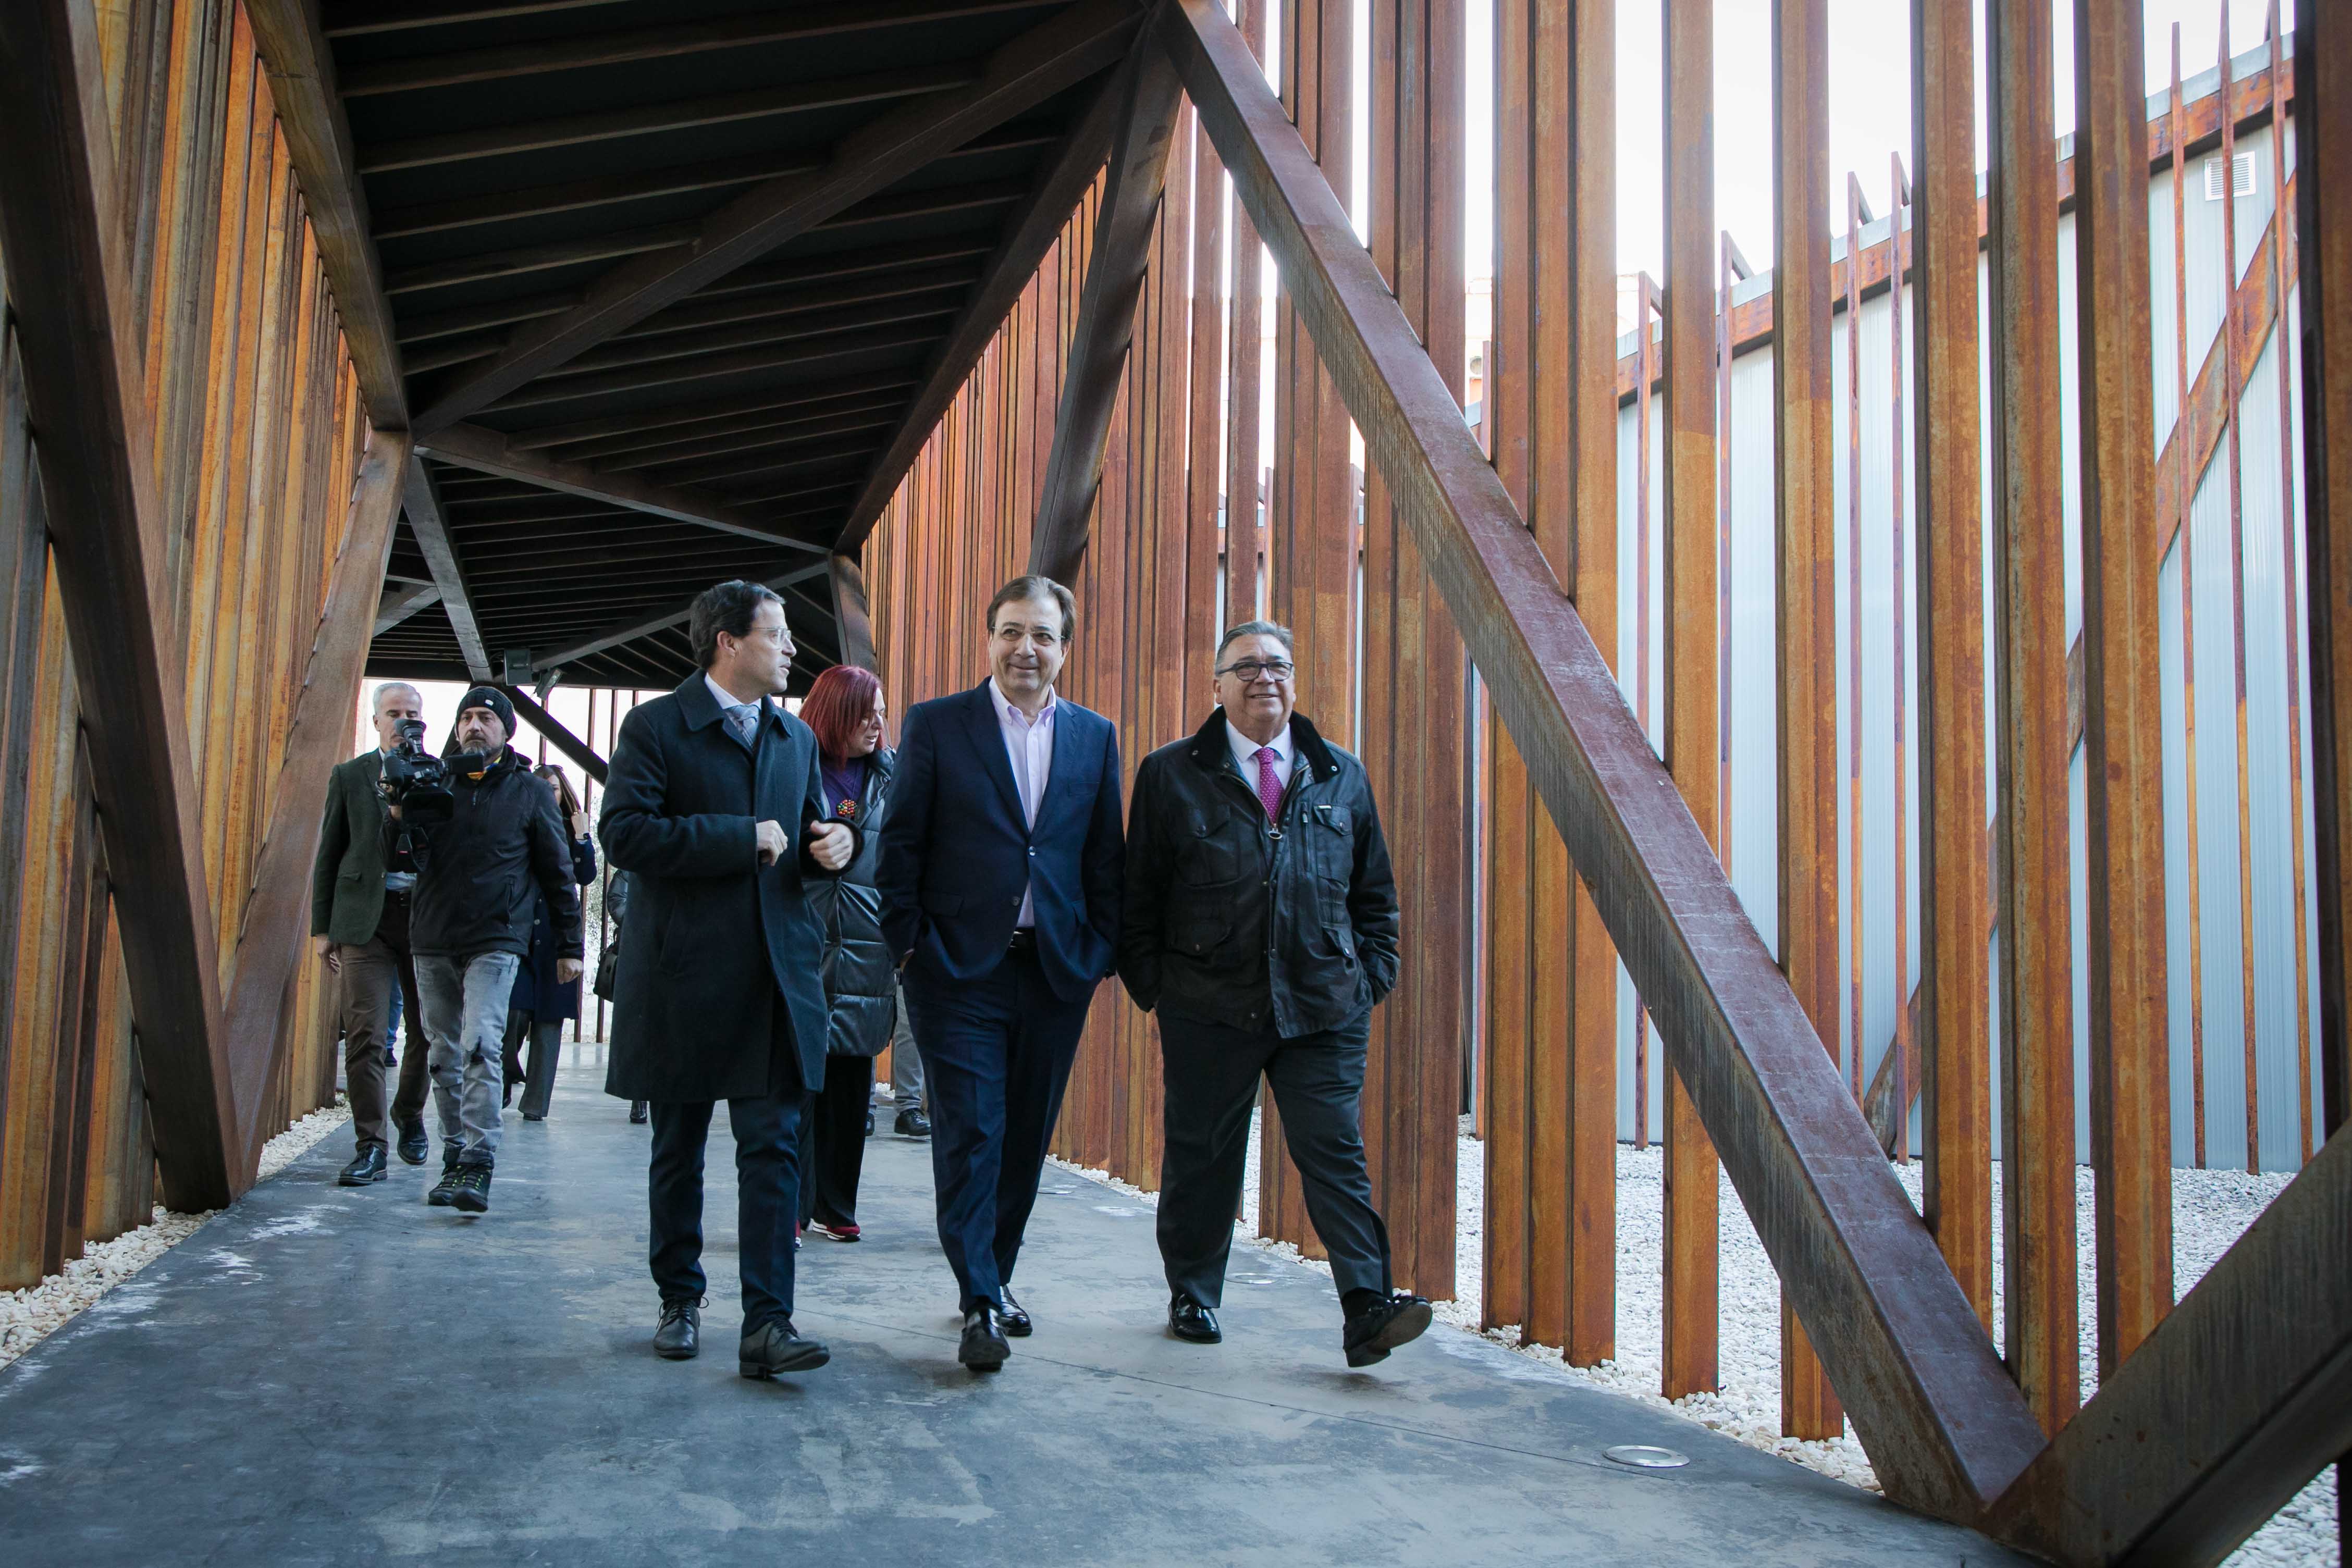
(369, 973)
(1210, 1073)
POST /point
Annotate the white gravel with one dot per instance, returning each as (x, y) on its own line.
(30, 1315)
(2211, 1209)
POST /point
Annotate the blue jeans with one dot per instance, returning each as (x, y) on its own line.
(464, 1000)
(996, 1057)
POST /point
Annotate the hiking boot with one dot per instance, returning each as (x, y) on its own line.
(471, 1194)
(445, 1188)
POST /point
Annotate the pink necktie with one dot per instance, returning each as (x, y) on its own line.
(1269, 788)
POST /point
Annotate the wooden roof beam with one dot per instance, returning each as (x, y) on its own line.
(487, 451)
(629, 630)
(1023, 73)
(676, 416)
(1106, 326)
(349, 19)
(401, 601)
(532, 713)
(1028, 235)
(631, 46)
(301, 70)
(429, 524)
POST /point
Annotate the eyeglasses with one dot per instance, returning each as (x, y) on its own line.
(1253, 669)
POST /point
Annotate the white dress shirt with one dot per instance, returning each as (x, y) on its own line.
(1029, 748)
(1245, 755)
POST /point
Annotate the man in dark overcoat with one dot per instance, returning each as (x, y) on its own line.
(716, 808)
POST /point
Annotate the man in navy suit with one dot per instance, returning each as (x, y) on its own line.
(1000, 864)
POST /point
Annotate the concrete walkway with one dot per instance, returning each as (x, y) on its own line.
(344, 1377)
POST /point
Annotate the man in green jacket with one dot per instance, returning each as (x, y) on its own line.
(358, 924)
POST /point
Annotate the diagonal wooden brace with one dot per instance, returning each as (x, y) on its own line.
(1941, 1421)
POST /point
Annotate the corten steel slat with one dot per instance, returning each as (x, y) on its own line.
(1856, 887)
(1733, 266)
(1517, 1199)
(2131, 1107)
(1032, 68)
(2291, 599)
(1943, 1425)
(1120, 254)
(2246, 1388)
(1902, 1050)
(2176, 459)
(301, 69)
(1203, 471)
(83, 385)
(2323, 127)
(426, 523)
(2234, 481)
(2036, 1029)
(1951, 525)
(1695, 640)
(1244, 534)
(1645, 380)
(1804, 503)
(552, 732)
(269, 946)
(1031, 228)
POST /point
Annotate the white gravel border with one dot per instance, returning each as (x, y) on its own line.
(30, 1315)
(2211, 1210)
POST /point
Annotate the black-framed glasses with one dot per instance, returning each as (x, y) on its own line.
(1255, 669)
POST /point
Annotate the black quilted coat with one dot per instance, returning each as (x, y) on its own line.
(859, 996)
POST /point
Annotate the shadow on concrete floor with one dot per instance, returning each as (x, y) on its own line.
(344, 1376)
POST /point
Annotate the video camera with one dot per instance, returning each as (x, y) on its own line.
(417, 782)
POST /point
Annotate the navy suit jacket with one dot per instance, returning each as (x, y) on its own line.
(956, 854)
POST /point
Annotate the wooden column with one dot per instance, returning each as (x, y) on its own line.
(1694, 634)
(1804, 450)
(1954, 897)
(2131, 1126)
(1245, 532)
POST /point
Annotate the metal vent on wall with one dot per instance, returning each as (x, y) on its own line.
(2241, 176)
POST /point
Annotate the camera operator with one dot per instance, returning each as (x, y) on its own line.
(478, 841)
(358, 924)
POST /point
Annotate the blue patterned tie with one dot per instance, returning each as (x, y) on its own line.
(740, 720)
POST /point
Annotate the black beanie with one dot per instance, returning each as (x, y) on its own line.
(493, 699)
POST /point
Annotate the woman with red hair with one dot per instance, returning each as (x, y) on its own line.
(846, 710)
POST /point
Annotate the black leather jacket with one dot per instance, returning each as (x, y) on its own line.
(1282, 928)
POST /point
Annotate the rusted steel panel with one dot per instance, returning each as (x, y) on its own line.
(2131, 1127)
(2246, 1388)
(2029, 614)
(1695, 639)
(2324, 150)
(1954, 896)
(1804, 488)
(1943, 1424)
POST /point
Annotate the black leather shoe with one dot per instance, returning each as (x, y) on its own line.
(869, 1123)
(912, 1124)
(1191, 1321)
(366, 1166)
(1371, 1334)
(983, 1348)
(679, 1335)
(638, 1116)
(776, 1348)
(470, 1194)
(1013, 1317)
(413, 1146)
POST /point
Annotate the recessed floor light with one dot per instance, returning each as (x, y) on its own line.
(1643, 1457)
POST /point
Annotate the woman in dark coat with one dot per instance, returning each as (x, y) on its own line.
(539, 1005)
(846, 710)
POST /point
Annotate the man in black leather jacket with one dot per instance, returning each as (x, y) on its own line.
(1260, 921)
